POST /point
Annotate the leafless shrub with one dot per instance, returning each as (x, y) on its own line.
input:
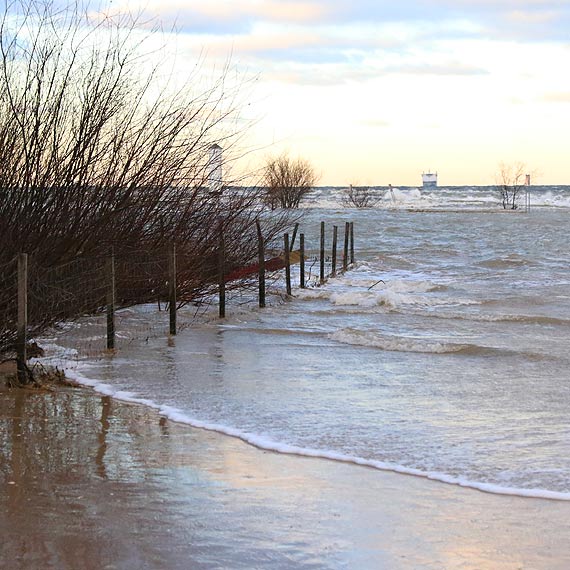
(99, 152)
(510, 183)
(287, 181)
(359, 197)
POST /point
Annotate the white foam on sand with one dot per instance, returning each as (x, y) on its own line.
(266, 443)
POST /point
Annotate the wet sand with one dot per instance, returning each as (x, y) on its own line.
(88, 482)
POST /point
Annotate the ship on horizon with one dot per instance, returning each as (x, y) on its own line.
(429, 179)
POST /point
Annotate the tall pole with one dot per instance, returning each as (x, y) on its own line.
(172, 296)
(221, 273)
(22, 331)
(287, 264)
(346, 235)
(295, 229)
(261, 264)
(334, 244)
(351, 242)
(302, 261)
(111, 301)
(322, 268)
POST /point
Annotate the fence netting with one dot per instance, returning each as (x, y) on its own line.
(67, 303)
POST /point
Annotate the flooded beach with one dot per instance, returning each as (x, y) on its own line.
(95, 483)
(366, 414)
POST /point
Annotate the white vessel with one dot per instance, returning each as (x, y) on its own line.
(429, 179)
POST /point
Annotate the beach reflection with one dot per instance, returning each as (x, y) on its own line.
(92, 483)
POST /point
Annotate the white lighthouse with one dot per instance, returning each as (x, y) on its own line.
(215, 169)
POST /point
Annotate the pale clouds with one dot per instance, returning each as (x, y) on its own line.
(476, 78)
(314, 32)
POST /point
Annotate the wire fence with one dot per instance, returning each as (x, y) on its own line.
(138, 295)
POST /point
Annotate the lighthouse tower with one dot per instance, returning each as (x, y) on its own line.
(215, 169)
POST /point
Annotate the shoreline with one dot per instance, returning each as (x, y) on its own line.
(93, 482)
(264, 444)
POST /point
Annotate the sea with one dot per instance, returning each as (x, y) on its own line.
(442, 353)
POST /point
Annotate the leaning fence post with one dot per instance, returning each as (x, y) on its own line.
(295, 229)
(261, 264)
(287, 265)
(335, 239)
(172, 296)
(322, 272)
(346, 235)
(221, 274)
(302, 261)
(111, 302)
(351, 242)
(22, 317)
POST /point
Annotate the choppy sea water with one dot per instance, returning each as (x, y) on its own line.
(444, 353)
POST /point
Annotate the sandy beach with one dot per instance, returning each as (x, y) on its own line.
(89, 482)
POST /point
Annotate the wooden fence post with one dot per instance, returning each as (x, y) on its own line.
(295, 229)
(222, 274)
(346, 236)
(302, 261)
(22, 331)
(352, 243)
(261, 263)
(322, 268)
(287, 264)
(172, 296)
(335, 239)
(111, 302)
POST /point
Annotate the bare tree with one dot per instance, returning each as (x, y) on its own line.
(287, 181)
(359, 197)
(510, 183)
(99, 151)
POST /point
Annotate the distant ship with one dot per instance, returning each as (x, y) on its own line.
(429, 179)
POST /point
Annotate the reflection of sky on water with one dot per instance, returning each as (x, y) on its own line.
(102, 483)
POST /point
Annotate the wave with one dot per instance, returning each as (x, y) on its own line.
(497, 318)
(312, 332)
(395, 285)
(392, 299)
(407, 344)
(268, 444)
(424, 346)
(504, 262)
(461, 197)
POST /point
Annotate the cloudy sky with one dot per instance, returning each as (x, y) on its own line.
(377, 91)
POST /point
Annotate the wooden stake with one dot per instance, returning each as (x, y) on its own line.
(352, 242)
(294, 236)
(334, 243)
(111, 302)
(261, 263)
(222, 274)
(22, 332)
(346, 236)
(172, 296)
(322, 271)
(302, 261)
(287, 264)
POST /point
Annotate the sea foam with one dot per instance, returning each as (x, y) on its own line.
(266, 443)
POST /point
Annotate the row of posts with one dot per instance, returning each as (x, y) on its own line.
(288, 244)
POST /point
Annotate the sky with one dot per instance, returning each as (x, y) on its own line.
(375, 92)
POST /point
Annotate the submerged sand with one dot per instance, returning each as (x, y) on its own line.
(88, 482)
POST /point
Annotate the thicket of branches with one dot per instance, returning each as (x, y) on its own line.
(287, 181)
(510, 182)
(359, 197)
(100, 152)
